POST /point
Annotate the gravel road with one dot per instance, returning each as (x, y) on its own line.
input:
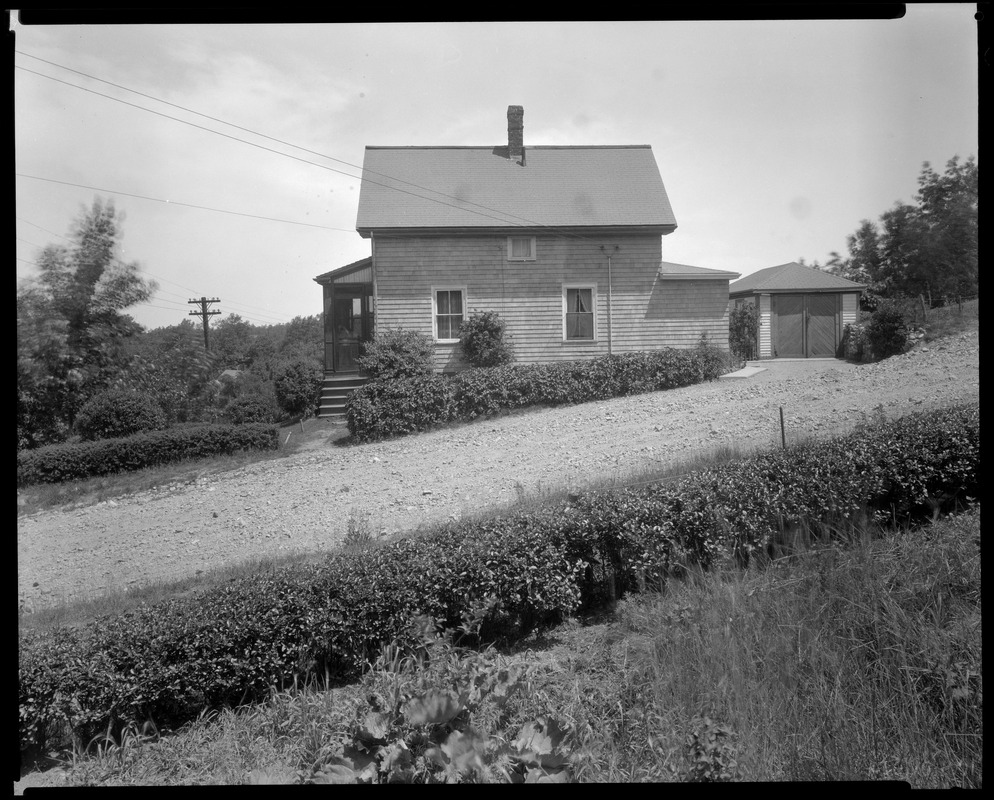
(305, 502)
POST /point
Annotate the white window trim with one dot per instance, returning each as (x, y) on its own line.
(434, 310)
(521, 258)
(593, 308)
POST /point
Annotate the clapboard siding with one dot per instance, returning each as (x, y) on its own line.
(646, 313)
(850, 309)
(765, 327)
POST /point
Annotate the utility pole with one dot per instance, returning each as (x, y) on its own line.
(204, 313)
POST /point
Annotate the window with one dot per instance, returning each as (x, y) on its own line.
(520, 248)
(578, 318)
(448, 313)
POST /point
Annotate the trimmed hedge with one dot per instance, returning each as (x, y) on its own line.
(384, 408)
(171, 660)
(66, 462)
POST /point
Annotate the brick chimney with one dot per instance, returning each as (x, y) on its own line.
(516, 133)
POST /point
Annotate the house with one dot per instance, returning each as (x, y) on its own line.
(802, 311)
(564, 243)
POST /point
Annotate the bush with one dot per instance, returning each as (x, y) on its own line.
(887, 332)
(854, 344)
(172, 660)
(385, 408)
(381, 408)
(118, 412)
(251, 409)
(397, 353)
(298, 387)
(74, 461)
(743, 330)
(484, 340)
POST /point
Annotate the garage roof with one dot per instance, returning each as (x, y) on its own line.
(792, 277)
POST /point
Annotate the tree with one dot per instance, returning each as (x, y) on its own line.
(171, 365)
(231, 341)
(928, 249)
(948, 211)
(71, 325)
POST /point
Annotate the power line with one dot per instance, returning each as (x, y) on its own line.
(178, 203)
(118, 262)
(507, 216)
(247, 130)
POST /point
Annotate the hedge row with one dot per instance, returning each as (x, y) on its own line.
(384, 408)
(171, 660)
(65, 462)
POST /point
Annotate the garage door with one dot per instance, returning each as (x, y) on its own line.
(805, 325)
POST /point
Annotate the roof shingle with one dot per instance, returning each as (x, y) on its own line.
(479, 187)
(792, 277)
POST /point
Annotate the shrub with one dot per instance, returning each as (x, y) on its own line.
(118, 412)
(887, 332)
(251, 409)
(854, 344)
(233, 644)
(398, 353)
(74, 461)
(384, 408)
(484, 341)
(743, 330)
(379, 408)
(298, 387)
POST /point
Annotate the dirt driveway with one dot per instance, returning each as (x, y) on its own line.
(306, 502)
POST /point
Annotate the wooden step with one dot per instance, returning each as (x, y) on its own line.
(335, 391)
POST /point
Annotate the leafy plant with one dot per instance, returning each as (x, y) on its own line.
(887, 332)
(118, 412)
(484, 341)
(743, 330)
(396, 353)
(297, 386)
(430, 703)
(250, 409)
(712, 752)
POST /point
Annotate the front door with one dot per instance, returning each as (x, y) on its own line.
(349, 325)
(806, 325)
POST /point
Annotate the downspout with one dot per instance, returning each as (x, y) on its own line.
(610, 327)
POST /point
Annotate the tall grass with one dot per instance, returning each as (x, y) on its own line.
(856, 660)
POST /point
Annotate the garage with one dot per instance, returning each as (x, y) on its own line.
(802, 311)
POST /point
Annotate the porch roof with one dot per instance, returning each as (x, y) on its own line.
(355, 266)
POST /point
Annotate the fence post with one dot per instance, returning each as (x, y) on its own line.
(783, 435)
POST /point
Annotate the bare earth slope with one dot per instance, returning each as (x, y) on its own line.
(305, 502)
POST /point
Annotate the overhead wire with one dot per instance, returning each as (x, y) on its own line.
(254, 311)
(508, 216)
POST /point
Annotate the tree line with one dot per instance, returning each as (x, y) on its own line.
(75, 341)
(926, 249)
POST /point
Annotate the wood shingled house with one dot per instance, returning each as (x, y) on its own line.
(564, 243)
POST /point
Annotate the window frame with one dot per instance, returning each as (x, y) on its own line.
(434, 309)
(532, 245)
(593, 312)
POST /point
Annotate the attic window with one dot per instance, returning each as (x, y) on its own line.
(520, 248)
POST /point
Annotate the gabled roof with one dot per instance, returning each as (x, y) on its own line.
(792, 277)
(338, 272)
(418, 188)
(671, 271)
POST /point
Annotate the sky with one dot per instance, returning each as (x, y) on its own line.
(233, 153)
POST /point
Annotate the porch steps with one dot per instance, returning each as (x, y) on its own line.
(335, 391)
